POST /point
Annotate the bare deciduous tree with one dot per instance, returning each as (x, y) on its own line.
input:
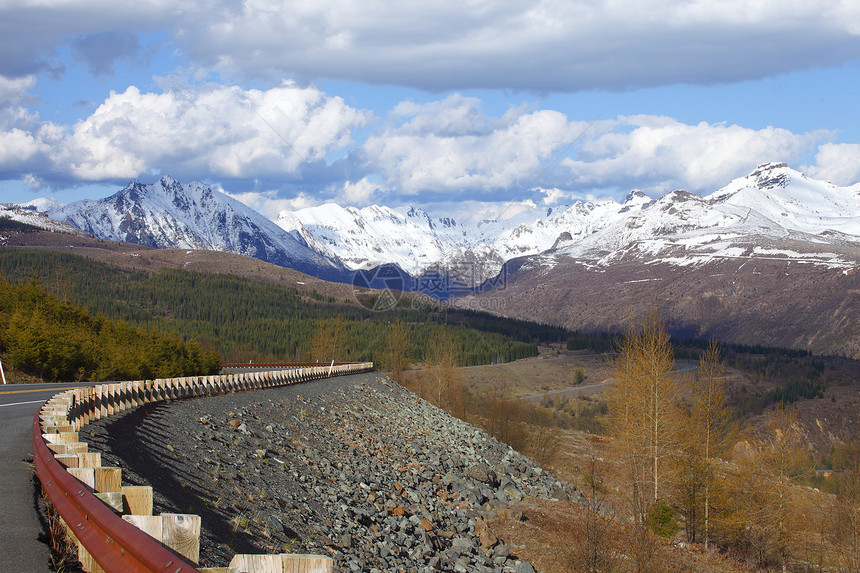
(644, 406)
(708, 434)
(846, 526)
(329, 341)
(644, 420)
(443, 382)
(766, 514)
(595, 551)
(393, 357)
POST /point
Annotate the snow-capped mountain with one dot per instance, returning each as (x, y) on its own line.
(31, 214)
(774, 202)
(372, 236)
(416, 241)
(746, 218)
(773, 258)
(774, 212)
(168, 214)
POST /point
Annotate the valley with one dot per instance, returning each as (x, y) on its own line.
(771, 258)
(750, 266)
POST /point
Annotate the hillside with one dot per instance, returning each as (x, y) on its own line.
(139, 257)
(56, 340)
(264, 321)
(748, 300)
(356, 468)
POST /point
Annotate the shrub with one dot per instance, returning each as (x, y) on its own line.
(663, 519)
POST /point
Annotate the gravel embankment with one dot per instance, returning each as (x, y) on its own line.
(356, 468)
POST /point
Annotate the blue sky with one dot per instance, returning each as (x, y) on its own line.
(462, 107)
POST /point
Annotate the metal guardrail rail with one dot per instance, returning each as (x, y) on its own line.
(116, 545)
(281, 364)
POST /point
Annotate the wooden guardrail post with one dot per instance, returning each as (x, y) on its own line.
(89, 522)
(137, 499)
(282, 563)
(180, 532)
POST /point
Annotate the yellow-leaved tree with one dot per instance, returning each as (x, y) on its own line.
(767, 514)
(645, 420)
(709, 432)
(393, 356)
(443, 382)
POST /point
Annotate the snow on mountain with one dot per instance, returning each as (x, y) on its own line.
(368, 237)
(794, 201)
(416, 242)
(168, 214)
(771, 205)
(29, 214)
(44, 204)
(773, 212)
(774, 203)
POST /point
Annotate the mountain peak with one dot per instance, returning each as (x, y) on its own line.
(168, 214)
(771, 175)
(770, 165)
(636, 196)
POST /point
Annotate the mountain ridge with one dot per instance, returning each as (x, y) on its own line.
(682, 228)
(168, 214)
(771, 258)
(772, 203)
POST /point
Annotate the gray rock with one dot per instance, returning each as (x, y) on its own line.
(523, 567)
(332, 489)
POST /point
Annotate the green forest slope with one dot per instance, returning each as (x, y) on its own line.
(247, 320)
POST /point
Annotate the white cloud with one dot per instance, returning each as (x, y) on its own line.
(550, 45)
(473, 212)
(660, 154)
(17, 147)
(221, 132)
(14, 91)
(546, 45)
(441, 152)
(450, 146)
(838, 163)
(25, 141)
(509, 209)
(554, 196)
(269, 203)
(358, 193)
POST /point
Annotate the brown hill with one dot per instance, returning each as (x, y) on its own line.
(754, 301)
(130, 256)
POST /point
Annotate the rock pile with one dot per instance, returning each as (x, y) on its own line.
(356, 468)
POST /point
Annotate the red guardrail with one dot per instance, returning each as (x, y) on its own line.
(281, 364)
(115, 544)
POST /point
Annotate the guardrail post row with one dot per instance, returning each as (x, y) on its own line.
(106, 542)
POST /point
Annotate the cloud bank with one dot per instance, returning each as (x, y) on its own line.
(276, 141)
(540, 45)
(446, 150)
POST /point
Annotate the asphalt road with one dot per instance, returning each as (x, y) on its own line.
(586, 387)
(22, 542)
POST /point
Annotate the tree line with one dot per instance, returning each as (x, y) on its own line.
(685, 465)
(57, 340)
(265, 321)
